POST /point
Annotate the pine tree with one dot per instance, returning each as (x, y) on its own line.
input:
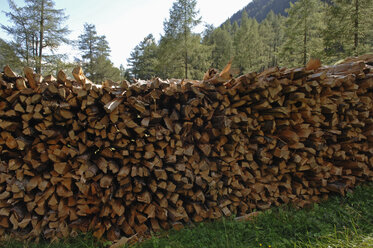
(104, 69)
(234, 28)
(247, 45)
(349, 28)
(222, 48)
(178, 29)
(200, 55)
(37, 26)
(240, 51)
(170, 59)
(303, 32)
(23, 31)
(143, 60)
(272, 33)
(124, 73)
(55, 63)
(95, 50)
(92, 47)
(9, 57)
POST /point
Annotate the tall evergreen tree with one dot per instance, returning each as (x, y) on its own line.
(23, 31)
(124, 73)
(9, 57)
(272, 33)
(235, 27)
(143, 60)
(178, 28)
(104, 69)
(247, 45)
(222, 48)
(303, 32)
(170, 58)
(349, 28)
(37, 26)
(95, 53)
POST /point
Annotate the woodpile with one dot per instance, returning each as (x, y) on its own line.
(124, 160)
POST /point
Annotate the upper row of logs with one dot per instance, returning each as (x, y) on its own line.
(124, 159)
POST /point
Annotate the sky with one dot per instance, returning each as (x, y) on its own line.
(126, 22)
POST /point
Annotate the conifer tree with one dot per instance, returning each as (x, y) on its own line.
(9, 57)
(183, 18)
(222, 48)
(349, 28)
(272, 33)
(95, 55)
(303, 33)
(35, 27)
(143, 60)
(247, 45)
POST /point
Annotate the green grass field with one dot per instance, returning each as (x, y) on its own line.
(339, 222)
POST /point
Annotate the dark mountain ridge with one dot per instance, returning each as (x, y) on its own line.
(259, 9)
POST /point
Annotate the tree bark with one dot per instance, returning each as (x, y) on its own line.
(38, 69)
(356, 31)
(305, 43)
(185, 43)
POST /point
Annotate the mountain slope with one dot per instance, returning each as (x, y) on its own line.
(259, 9)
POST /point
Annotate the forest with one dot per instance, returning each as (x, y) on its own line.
(327, 30)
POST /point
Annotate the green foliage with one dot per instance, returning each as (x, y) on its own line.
(303, 33)
(55, 63)
(35, 27)
(339, 222)
(178, 35)
(9, 57)
(259, 9)
(222, 47)
(183, 18)
(198, 57)
(247, 45)
(143, 60)
(104, 69)
(95, 52)
(349, 28)
(271, 31)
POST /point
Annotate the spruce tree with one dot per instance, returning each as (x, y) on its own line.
(143, 60)
(247, 45)
(349, 28)
(95, 52)
(8, 57)
(92, 46)
(222, 48)
(272, 34)
(178, 29)
(303, 33)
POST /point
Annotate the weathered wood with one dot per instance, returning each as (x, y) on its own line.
(118, 159)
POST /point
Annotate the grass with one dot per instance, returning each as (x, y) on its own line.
(339, 222)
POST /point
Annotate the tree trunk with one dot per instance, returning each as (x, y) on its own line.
(356, 31)
(27, 50)
(185, 43)
(305, 43)
(38, 68)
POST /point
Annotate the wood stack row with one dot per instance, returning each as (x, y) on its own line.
(121, 160)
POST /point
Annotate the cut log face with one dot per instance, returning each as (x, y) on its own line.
(121, 160)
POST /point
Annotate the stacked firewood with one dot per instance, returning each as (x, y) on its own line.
(121, 159)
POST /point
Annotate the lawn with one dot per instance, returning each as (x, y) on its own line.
(339, 222)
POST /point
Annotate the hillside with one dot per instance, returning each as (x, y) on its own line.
(259, 9)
